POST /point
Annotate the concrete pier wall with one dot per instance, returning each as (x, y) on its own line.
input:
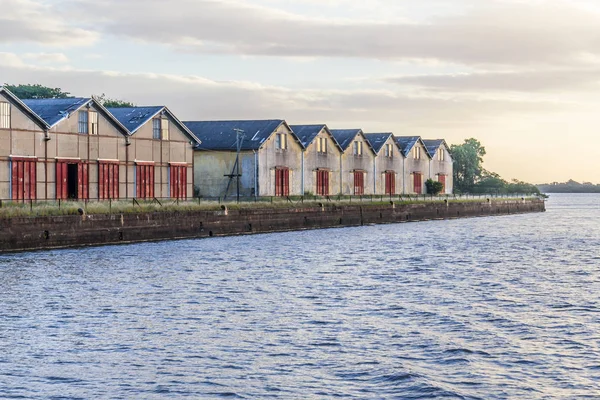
(34, 233)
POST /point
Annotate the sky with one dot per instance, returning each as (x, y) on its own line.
(521, 76)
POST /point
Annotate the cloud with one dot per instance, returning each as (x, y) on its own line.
(36, 22)
(550, 80)
(495, 32)
(47, 58)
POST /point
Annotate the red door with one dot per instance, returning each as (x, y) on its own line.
(72, 180)
(418, 183)
(178, 181)
(144, 181)
(24, 179)
(359, 183)
(108, 180)
(442, 180)
(390, 183)
(282, 182)
(322, 182)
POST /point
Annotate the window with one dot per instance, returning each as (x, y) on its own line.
(441, 154)
(156, 128)
(4, 115)
(417, 153)
(83, 122)
(358, 148)
(160, 129)
(321, 145)
(281, 141)
(93, 116)
(389, 150)
(164, 129)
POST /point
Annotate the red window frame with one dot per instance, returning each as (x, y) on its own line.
(144, 180)
(24, 178)
(178, 181)
(322, 182)
(359, 183)
(282, 182)
(390, 183)
(418, 182)
(108, 180)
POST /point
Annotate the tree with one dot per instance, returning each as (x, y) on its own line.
(36, 91)
(433, 187)
(468, 158)
(113, 103)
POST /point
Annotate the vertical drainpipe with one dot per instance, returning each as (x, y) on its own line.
(404, 175)
(302, 178)
(341, 173)
(374, 175)
(46, 139)
(255, 174)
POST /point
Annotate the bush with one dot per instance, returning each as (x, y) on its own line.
(433, 187)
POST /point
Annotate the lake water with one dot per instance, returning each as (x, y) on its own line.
(484, 308)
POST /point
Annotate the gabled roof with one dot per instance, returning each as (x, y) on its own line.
(24, 108)
(308, 133)
(377, 140)
(53, 111)
(432, 145)
(345, 137)
(406, 143)
(222, 135)
(133, 118)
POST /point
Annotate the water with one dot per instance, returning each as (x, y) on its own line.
(489, 308)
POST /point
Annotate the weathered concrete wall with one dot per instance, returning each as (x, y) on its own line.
(270, 158)
(352, 162)
(69, 231)
(384, 164)
(439, 167)
(313, 161)
(414, 166)
(210, 168)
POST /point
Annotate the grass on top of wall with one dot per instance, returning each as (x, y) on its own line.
(54, 208)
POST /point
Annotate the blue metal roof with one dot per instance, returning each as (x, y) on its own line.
(307, 133)
(406, 143)
(433, 145)
(345, 136)
(134, 117)
(52, 111)
(220, 135)
(377, 140)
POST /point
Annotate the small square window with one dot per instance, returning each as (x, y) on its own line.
(93, 117)
(358, 149)
(156, 129)
(281, 141)
(164, 129)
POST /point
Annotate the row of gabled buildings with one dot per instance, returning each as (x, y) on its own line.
(75, 148)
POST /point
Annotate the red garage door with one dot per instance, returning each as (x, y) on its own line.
(24, 178)
(108, 180)
(178, 181)
(359, 183)
(71, 180)
(282, 182)
(144, 175)
(322, 182)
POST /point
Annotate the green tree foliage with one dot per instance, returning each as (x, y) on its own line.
(468, 160)
(570, 187)
(113, 103)
(36, 91)
(433, 187)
